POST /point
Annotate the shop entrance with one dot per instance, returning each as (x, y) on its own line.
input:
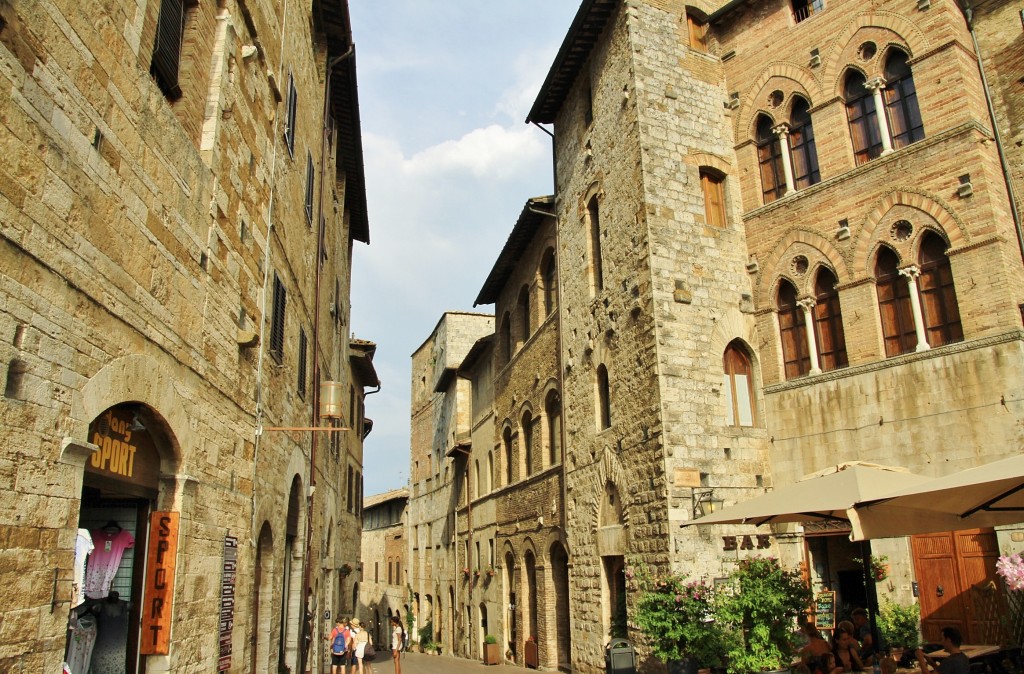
(119, 492)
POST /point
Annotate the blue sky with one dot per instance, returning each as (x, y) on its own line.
(444, 88)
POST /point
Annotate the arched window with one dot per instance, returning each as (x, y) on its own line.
(938, 296)
(505, 339)
(860, 113)
(696, 28)
(712, 184)
(769, 159)
(549, 272)
(894, 304)
(604, 409)
(739, 386)
(476, 481)
(524, 316)
(526, 441)
(793, 330)
(901, 101)
(596, 269)
(828, 322)
(506, 441)
(553, 409)
(801, 144)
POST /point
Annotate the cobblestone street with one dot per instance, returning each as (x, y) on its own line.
(421, 663)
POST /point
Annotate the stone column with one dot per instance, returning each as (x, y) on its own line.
(782, 131)
(876, 85)
(807, 305)
(912, 272)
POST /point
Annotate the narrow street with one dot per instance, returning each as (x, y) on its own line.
(422, 663)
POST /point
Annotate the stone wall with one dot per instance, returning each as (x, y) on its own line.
(134, 242)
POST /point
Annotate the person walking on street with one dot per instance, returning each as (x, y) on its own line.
(397, 638)
(339, 646)
(360, 638)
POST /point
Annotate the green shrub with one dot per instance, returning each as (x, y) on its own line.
(490, 639)
(900, 625)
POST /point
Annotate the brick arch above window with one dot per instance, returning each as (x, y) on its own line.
(851, 36)
(922, 210)
(789, 78)
(818, 250)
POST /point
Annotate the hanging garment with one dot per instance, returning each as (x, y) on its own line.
(104, 560)
(83, 546)
(81, 640)
(110, 654)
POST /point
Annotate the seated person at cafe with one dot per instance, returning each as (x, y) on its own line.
(816, 645)
(863, 635)
(956, 663)
(845, 647)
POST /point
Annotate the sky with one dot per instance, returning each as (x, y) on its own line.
(444, 87)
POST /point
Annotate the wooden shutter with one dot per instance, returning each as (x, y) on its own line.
(170, 28)
(828, 323)
(714, 198)
(894, 305)
(277, 321)
(938, 295)
(793, 333)
(696, 30)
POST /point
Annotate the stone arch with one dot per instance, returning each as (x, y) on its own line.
(730, 326)
(934, 212)
(707, 159)
(916, 42)
(593, 190)
(789, 78)
(770, 273)
(132, 379)
(609, 471)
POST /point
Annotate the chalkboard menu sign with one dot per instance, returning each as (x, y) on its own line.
(825, 610)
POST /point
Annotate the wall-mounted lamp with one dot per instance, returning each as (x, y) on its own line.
(704, 502)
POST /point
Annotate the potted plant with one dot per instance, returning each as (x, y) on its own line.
(899, 626)
(492, 651)
(879, 567)
(763, 606)
(346, 569)
(465, 572)
(678, 620)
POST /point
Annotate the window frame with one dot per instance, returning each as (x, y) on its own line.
(901, 106)
(712, 185)
(277, 320)
(596, 261)
(302, 369)
(310, 182)
(168, 46)
(940, 309)
(290, 115)
(604, 405)
(735, 355)
(828, 323)
(769, 161)
(553, 411)
(696, 31)
(862, 119)
(895, 312)
(796, 356)
(802, 146)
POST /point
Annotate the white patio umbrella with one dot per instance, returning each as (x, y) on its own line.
(829, 494)
(986, 496)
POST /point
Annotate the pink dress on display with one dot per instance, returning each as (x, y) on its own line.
(104, 560)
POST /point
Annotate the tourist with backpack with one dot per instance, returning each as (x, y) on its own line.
(339, 646)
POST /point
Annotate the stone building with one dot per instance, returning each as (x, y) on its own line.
(441, 420)
(180, 191)
(523, 479)
(383, 591)
(776, 231)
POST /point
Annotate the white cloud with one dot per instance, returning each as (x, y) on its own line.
(492, 153)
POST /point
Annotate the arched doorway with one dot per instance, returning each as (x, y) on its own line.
(120, 491)
(560, 582)
(483, 630)
(509, 592)
(262, 602)
(291, 582)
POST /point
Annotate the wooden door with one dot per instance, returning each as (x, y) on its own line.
(948, 566)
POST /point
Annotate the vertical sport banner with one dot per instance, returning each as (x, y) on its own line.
(159, 594)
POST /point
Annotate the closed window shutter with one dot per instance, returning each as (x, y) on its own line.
(170, 28)
(277, 324)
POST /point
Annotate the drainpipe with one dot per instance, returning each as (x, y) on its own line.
(968, 12)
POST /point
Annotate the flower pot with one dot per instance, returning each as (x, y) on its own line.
(492, 654)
